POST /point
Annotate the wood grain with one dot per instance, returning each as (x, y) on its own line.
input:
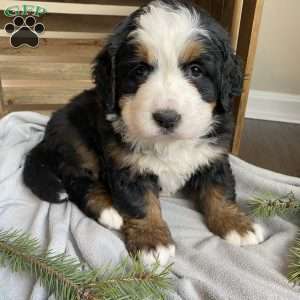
(38, 95)
(247, 44)
(82, 25)
(103, 2)
(34, 107)
(236, 22)
(17, 64)
(52, 50)
(78, 8)
(1, 100)
(45, 71)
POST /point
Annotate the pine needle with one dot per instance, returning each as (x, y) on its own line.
(63, 277)
(294, 262)
(268, 206)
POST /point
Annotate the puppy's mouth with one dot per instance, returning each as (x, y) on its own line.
(169, 135)
(167, 132)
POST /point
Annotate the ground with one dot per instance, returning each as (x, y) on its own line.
(272, 145)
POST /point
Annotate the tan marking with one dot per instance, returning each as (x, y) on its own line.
(191, 51)
(97, 199)
(123, 101)
(222, 216)
(145, 54)
(149, 232)
(123, 158)
(213, 104)
(88, 159)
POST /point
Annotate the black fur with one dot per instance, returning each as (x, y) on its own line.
(54, 166)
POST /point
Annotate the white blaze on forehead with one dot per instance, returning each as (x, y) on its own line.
(167, 37)
(164, 31)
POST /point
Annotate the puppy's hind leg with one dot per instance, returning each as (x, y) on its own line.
(39, 177)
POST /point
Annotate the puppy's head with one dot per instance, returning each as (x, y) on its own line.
(167, 73)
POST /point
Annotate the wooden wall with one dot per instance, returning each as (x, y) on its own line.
(48, 76)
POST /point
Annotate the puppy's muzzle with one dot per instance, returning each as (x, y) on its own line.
(167, 119)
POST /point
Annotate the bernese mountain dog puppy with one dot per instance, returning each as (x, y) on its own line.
(159, 120)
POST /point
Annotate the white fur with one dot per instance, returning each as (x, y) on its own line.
(173, 162)
(161, 254)
(111, 218)
(174, 157)
(165, 32)
(63, 196)
(250, 238)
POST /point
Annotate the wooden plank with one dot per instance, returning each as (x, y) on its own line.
(55, 59)
(213, 7)
(221, 10)
(103, 2)
(53, 47)
(2, 107)
(34, 107)
(45, 71)
(76, 8)
(46, 83)
(227, 14)
(61, 26)
(39, 95)
(66, 35)
(46, 112)
(51, 50)
(236, 22)
(247, 43)
(74, 23)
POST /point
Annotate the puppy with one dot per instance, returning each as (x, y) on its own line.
(158, 120)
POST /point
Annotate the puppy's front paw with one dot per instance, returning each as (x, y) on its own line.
(153, 243)
(161, 254)
(250, 237)
(234, 226)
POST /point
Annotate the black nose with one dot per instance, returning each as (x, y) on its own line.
(167, 119)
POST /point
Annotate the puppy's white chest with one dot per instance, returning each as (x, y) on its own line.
(176, 163)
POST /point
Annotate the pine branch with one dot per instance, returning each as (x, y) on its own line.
(294, 262)
(269, 206)
(62, 275)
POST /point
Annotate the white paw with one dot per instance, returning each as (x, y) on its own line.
(111, 218)
(250, 238)
(162, 255)
(63, 196)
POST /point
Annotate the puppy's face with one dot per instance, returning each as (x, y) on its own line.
(167, 74)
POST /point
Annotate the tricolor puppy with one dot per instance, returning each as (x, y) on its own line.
(158, 120)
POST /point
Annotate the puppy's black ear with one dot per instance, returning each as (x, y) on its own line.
(231, 78)
(104, 71)
(104, 77)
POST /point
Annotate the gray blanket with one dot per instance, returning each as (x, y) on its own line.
(206, 267)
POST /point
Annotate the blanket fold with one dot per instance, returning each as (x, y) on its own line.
(206, 267)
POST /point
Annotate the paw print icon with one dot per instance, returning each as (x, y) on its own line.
(24, 32)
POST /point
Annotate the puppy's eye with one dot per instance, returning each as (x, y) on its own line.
(141, 71)
(194, 71)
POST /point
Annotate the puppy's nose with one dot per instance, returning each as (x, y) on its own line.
(167, 119)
